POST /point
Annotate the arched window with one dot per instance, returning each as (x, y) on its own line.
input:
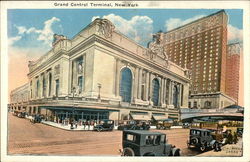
(207, 104)
(175, 96)
(126, 84)
(155, 94)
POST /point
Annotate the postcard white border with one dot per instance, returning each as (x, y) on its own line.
(245, 5)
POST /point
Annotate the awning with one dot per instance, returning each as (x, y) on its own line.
(160, 117)
(140, 117)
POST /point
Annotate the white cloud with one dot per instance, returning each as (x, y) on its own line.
(45, 35)
(95, 17)
(21, 29)
(234, 34)
(176, 22)
(138, 28)
(12, 40)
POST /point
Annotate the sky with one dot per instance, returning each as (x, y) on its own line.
(30, 31)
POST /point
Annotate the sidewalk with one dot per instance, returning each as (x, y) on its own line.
(227, 150)
(67, 127)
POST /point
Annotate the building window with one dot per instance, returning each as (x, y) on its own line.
(50, 81)
(189, 104)
(126, 84)
(176, 97)
(44, 87)
(57, 87)
(155, 94)
(195, 105)
(80, 81)
(37, 87)
(142, 92)
(31, 89)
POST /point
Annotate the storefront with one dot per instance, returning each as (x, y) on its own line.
(58, 114)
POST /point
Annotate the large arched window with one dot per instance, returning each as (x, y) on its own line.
(175, 96)
(126, 84)
(155, 94)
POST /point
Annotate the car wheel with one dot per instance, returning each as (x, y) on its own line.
(188, 144)
(217, 147)
(194, 141)
(202, 148)
(128, 152)
(99, 129)
(177, 152)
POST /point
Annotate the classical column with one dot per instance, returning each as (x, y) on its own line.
(117, 81)
(146, 86)
(139, 84)
(136, 83)
(180, 95)
(170, 92)
(40, 86)
(164, 91)
(150, 86)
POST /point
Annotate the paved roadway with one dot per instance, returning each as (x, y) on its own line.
(28, 138)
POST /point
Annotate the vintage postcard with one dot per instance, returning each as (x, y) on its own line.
(103, 80)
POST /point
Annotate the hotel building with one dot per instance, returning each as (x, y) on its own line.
(201, 47)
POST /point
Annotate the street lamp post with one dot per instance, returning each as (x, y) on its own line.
(73, 108)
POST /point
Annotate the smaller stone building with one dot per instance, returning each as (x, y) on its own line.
(19, 98)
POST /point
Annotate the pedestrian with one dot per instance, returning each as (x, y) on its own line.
(76, 124)
(87, 124)
(84, 124)
(235, 138)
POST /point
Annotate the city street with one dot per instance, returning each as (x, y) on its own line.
(28, 138)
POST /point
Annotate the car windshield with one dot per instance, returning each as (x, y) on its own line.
(195, 132)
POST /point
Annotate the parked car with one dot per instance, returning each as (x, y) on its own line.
(205, 139)
(240, 131)
(146, 143)
(21, 114)
(134, 125)
(164, 124)
(186, 125)
(36, 119)
(105, 125)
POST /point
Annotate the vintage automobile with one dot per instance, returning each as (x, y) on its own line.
(146, 143)
(36, 119)
(185, 125)
(205, 139)
(240, 131)
(134, 125)
(164, 124)
(21, 114)
(105, 125)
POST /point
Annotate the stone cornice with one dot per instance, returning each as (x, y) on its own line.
(50, 60)
(139, 58)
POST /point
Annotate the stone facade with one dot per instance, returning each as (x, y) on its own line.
(101, 73)
(19, 98)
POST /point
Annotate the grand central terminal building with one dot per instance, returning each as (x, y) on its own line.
(102, 74)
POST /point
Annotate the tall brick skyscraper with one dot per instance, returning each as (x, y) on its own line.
(201, 46)
(233, 70)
